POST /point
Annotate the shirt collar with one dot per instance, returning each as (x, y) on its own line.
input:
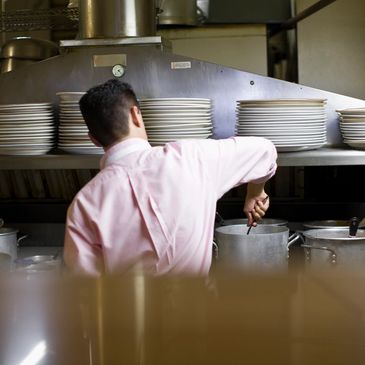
(122, 149)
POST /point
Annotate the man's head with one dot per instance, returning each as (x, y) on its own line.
(111, 112)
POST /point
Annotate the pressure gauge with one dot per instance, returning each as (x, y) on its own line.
(118, 70)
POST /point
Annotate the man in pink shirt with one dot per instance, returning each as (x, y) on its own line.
(154, 207)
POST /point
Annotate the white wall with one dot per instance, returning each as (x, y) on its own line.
(242, 47)
(331, 47)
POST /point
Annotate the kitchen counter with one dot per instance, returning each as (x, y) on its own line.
(238, 319)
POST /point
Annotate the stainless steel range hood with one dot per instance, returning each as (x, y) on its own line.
(155, 72)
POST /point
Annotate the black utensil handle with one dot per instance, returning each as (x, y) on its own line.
(354, 225)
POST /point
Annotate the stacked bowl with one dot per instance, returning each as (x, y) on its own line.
(27, 129)
(170, 119)
(72, 132)
(352, 125)
(291, 124)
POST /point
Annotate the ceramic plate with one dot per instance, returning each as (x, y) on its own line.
(83, 150)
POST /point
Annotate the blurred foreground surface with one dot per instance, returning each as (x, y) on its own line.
(236, 319)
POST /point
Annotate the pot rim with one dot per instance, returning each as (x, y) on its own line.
(5, 231)
(274, 230)
(311, 234)
(321, 224)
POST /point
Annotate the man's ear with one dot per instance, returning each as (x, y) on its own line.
(94, 140)
(136, 116)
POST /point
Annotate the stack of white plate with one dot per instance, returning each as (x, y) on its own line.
(291, 124)
(72, 131)
(26, 129)
(352, 125)
(170, 119)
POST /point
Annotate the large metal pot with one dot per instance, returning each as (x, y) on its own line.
(264, 222)
(116, 18)
(178, 12)
(330, 223)
(11, 64)
(332, 247)
(265, 248)
(9, 242)
(27, 48)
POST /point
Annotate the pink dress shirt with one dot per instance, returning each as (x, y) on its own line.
(154, 207)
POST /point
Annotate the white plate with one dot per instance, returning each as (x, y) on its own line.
(68, 112)
(282, 101)
(175, 120)
(33, 119)
(27, 146)
(355, 144)
(5, 112)
(351, 111)
(24, 152)
(69, 143)
(174, 105)
(353, 124)
(179, 133)
(283, 133)
(296, 116)
(173, 99)
(280, 122)
(353, 135)
(281, 128)
(176, 115)
(83, 150)
(172, 138)
(26, 138)
(26, 134)
(352, 116)
(299, 148)
(258, 125)
(25, 130)
(197, 107)
(70, 95)
(179, 125)
(281, 110)
(26, 105)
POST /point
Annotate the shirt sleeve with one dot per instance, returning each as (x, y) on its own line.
(81, 254)
(238, 160)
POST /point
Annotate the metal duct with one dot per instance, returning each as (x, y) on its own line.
(116, 18)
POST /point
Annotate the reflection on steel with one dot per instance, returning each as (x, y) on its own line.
(155, 40)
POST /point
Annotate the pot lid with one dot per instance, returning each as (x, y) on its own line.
(7, 231)
(339, 234)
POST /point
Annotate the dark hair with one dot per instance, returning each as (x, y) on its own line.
(105, 109)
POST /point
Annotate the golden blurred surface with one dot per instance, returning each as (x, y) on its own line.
(314, 318)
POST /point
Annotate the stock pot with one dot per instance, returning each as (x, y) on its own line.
(333, 247)
(330, 223)
(9, 242)
(264, 221)
(264, 249)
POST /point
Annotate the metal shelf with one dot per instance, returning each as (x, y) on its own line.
(329, 156)
(50, 162)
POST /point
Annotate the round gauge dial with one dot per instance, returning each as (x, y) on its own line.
(118, 70)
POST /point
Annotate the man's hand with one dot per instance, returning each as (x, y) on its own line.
(256, 203)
